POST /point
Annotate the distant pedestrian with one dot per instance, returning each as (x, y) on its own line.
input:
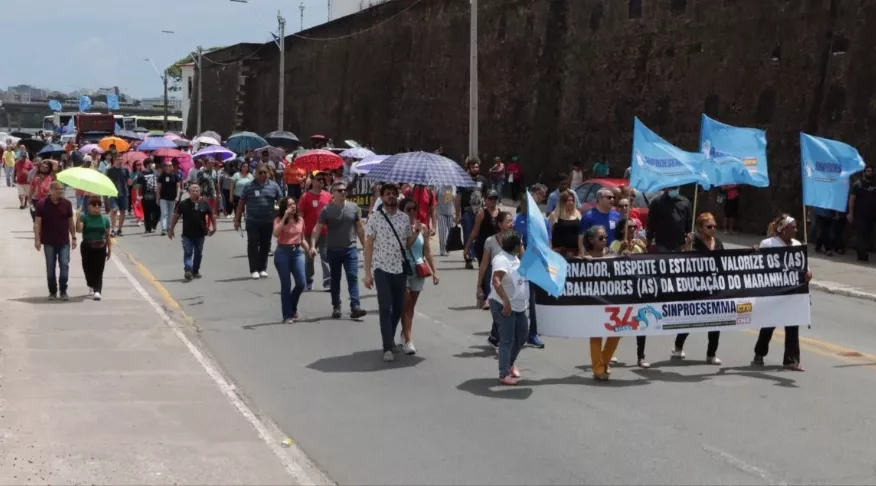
(40, 185)
(55, 234)
(310, 206)
(195, 212)
(208, 180)
(469, 201)
(387, 234)
(445, 213)
(240, 180)
(118, 205)
(862, 213)
(731, 207)
(169, 187)
(96, 246)
(258, 199)
(515, 177)
(148, 183)
(289, 256)
(22, 168)
(9, 164)
(497, 176)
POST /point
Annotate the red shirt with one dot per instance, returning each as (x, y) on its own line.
(21, 170)
(310, 206)
(40, 186)
(425, 200)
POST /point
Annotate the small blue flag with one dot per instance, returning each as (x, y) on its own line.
(84, 103)
(71, 126)
(541, 265)
(118, 129)
(657, 164)
(55, 105)
(826, 167)
(112, 101)
(734, 155)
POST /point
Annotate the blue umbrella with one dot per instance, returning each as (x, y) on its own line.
(243, 142)
(422, 168)
(155, 143)
(214, 151)
(357, 153)
(51, 149)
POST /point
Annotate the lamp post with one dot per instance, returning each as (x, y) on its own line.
(473, 82)
(164, 81)
(301, 8)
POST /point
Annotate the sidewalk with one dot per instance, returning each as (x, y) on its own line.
(107, 392)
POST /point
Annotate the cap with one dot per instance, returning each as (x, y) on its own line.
(492, 193)
(87, 158)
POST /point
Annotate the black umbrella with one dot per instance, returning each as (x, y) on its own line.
(21, 135)
(283, 139)
(182, 143)
(33, 145)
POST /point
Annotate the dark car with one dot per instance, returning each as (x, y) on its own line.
(587, 195)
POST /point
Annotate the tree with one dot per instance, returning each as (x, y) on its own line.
(174, 71)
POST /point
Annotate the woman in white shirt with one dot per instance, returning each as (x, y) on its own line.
(782, 232)
(508, 302)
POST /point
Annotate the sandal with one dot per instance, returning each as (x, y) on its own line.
(514, 372)
(602, 377)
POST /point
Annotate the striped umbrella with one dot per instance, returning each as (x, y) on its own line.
(423, 168)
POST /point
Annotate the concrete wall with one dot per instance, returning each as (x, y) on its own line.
(562, 79)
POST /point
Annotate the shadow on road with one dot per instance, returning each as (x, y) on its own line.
(759, 372)
(490, 387)
(362, 362)
(252, 327)
(45, 300)
(464, 308)
(485, 351)
(234, 280)
(176, 280)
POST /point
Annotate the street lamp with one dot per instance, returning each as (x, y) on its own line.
(473, 82)
(301, 7)
(164, 82)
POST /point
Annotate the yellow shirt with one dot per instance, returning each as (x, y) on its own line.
(9, 158)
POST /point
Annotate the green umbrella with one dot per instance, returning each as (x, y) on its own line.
(88, 180)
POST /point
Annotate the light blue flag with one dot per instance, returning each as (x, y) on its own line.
(118, 129)
(84, 103)
(55, 105)
(71, 126)
(112, 101)
(734, 155)
(657, 164)
(541, 265)
(826, 167)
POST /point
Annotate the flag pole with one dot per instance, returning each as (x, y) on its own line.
(696, 196)
(805, 226)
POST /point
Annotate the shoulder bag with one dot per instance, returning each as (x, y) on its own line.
(406, 265)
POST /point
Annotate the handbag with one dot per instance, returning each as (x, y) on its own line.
(423, 270)
(454, 239)
(406, 265)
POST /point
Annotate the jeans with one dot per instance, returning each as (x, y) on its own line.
(289, 262)
(60, 256)
(863, 232)
(151, 213)
(499, 186)
(93, 264)
(166, 210)
(347, 258)
(512, 336)
(792, 343)
(468, 219)
(323, 260)
(9, 173)
(390, 303)
(711, 348)
(258, 244)
(193, 250)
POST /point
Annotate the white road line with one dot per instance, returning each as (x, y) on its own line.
(744, 466)
(302, 470)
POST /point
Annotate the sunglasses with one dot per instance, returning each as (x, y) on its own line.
(711, 226)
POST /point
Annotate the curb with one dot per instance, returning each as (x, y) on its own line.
(839, 289)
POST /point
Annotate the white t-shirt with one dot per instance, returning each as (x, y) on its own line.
(514, 285)
(776, 242)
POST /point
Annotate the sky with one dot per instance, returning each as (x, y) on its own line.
(103, 43)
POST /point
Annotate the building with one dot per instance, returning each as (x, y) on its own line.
(188, 88)
(342, 8)
(157, 103)
(107, 91)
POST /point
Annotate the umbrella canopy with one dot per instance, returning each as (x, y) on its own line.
(283, 139)
(33, 145)
(318, 160)
(211, 134)
(128, 135)
(357, 153)
(422, 168)
(129, 158)
(51, 149)
(21, 134)
(169, 152)
(87, 149)
(199, 142)
(215, 151)
(155, 143)
(88, 180)
(365, 165)
(121, 144)
(298, 151)
(182, 143)
(274, 154)
(172, 136)
(140, 130)
(243, 142)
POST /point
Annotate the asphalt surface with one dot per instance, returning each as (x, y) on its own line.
(439, 418)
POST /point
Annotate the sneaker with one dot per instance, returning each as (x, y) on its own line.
(508, 381)
(112, 233)
(163, 233)
(493, 342)
(677, 354)
(388, 356)
(90, 292)
(358, 312)
(643, 364)
(469, 266)
(255, 275)
(602, 377)
(757, 361)
(613, 360)
(196, 274)
(53, 297)
(713, 360)
(97, 296)
(119, 233)
(409, 349)
(263, 274)
(535, 342)
(336, 313)
(290, 320)
(309, 287)
(64, 296)
(188, 276)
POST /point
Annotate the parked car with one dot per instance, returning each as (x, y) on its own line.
(587, 195)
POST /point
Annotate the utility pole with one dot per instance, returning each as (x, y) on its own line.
(164, 79)
(281, 43)
(301, 7)
(200, 84)
(329, 10)
(473, 83)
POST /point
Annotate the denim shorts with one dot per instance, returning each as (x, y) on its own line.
(416, 284)
(120, 202)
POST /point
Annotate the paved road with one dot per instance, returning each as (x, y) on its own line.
(438, 418)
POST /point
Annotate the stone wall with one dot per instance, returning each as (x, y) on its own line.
(560, 80)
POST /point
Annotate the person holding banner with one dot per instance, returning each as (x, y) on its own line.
(508, 302)
(594, 244)
(782, 232)
(704, 241)
(625, 238)
(564, 224)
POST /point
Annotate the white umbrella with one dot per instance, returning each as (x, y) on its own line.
(198, 142)
(365, 165)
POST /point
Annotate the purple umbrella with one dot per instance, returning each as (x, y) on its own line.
(155, 143)
(86, 149)
(215, 151)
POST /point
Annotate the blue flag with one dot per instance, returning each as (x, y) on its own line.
(55, 105)
(541, 265)
(734, 155)
(84, 103)
(118, 129)
(112, 102)
(657, 164)
(71, 126)
(826, 166)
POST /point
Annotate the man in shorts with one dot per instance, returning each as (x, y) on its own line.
(22, 168)
(118, 204)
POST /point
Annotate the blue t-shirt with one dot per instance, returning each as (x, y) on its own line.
(596, 218)
(520, 227)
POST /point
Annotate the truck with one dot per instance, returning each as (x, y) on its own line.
(91, 127)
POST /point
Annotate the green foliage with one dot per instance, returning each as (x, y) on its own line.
(174, 71)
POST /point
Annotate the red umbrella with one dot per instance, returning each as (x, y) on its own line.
(128, 158)
(318, 160)
(168, 152)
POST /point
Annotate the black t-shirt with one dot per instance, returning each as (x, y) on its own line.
(119, 176)
(147, 182)
(700, 246)
(465, 193)
(865, 198)
(194, 216)
(168, 186)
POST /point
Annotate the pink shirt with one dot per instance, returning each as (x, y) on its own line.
(291, 232)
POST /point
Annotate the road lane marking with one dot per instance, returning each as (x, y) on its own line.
(744, 466)
(824, 348)
(296, 463)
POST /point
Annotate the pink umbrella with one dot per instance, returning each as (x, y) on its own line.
(166, 152)
(172, 136)
(86, 149)
(128, 158)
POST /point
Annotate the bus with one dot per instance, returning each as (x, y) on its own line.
(174, 123)
(59, 121)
